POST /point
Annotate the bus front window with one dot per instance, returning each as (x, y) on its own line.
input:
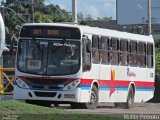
(30, 56)
(49, 57)
(63, 57)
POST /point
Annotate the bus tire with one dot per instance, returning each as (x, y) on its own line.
(93, 99)
(90, 105)
(130, 99)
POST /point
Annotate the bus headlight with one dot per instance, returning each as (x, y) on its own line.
(72, 85)
(21, 84)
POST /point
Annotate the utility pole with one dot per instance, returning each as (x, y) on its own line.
(74, 11)
(32, 11)
(149, 18)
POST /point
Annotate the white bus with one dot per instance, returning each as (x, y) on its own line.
(83, 66)
(2, 36)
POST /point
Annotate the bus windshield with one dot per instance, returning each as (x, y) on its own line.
(54, 57)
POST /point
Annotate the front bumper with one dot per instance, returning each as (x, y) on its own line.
(59, 96)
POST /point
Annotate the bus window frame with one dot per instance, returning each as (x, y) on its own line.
(133, 59)
(86, 54)
(95, 49)
(105, 50)
(124, 53)
(141, 52)
(150, 55)
(114, 52)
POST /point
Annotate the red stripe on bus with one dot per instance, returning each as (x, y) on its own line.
(142, 83)
(117, 83)
(101, 82)
(86, 81)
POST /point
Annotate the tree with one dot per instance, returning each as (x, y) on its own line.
(157, 55)
(104, 18)
(89, 18)
(80, 17)
(42, 13)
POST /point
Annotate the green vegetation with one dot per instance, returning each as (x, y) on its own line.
(17, 10)
(22, 111)
(42, 14)
(157, 55)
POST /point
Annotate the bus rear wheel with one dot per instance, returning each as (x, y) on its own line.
(130, 99)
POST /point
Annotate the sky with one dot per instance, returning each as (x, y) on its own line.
(137, 11)
(95, 8)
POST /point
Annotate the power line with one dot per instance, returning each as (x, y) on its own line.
(14, 13)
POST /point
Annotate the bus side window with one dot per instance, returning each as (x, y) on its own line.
(104, 50)
(133, 53)
(142, 54)
(86, 54)
(150, 55)
(124, 52)
(95, 49)
(114, 51)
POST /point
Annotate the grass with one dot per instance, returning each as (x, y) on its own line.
(14, 110)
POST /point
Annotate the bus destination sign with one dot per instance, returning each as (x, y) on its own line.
(50, 32)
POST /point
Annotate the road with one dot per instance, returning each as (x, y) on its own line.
(139, 108)
(140, 111)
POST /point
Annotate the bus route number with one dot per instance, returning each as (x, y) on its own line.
(34, 64)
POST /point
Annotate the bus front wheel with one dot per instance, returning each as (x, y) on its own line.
(93, 99)
(93, 102)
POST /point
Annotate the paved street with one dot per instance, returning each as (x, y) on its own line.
(148, 108)
(140, 108)
(142, 111)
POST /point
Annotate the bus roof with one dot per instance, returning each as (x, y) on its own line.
(52, 24)
(99, 31)
(116, 34)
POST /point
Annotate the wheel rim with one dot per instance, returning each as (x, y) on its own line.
(130, 101)
(93, 97)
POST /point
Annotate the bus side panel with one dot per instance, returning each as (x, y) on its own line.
(104, 83)
(119, 84)
(85, 86)
(87, 81)
(150, 80)
(138, 76)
